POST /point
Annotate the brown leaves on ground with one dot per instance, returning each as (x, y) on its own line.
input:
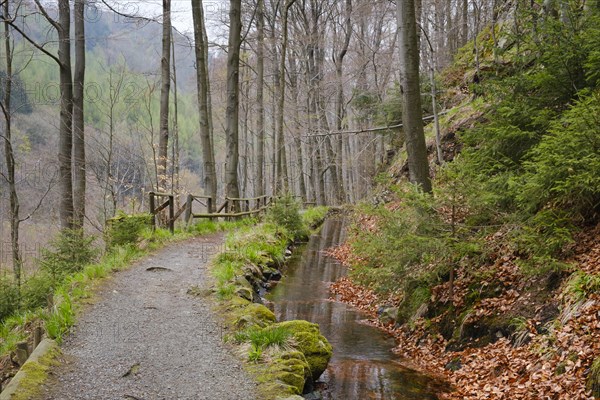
(587, 250)
(357, 296)
(553, 365)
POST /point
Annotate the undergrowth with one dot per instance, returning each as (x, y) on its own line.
(69, 272)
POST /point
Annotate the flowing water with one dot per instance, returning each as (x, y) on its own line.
(363, 366)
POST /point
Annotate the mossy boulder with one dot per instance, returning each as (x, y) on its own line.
(28, 381)
(254, 314)
(243, 288)
(311, 343)
(290, 368)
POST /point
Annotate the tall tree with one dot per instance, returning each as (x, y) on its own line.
(165, 66)
(8, 148)
(208, 153)
(232, 117)
(412, 114)
(282, 174)
(260, 101)
(79, 167)
(338, 60)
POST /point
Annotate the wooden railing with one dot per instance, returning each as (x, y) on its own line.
(153, 196)
(230, 209)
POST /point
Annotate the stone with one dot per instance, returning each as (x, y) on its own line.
(290, 368)
(311, 343)
(388, 315)
(254, 314)
(244, 289)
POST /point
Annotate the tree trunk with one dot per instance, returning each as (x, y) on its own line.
(65, 142)
(339, 104)
(175, 149)
(208, 152)
(282, 184)
(412, 117)
(297, 127)
(165, 65)
(9, 153)
(232, 116)
(465, 23)
(79, 167)
(260, 102)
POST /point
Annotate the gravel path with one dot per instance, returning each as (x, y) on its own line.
(147, 339)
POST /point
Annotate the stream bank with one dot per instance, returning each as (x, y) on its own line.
(362, 366)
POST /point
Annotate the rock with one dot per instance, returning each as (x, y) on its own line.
(244, 289)
(254, 314)
(311, 343)
(272, 274)
(454, 365)
(290, 368)
(313, 396)
(388, 315)
(253, 272)
(294, 397)
(27, 382)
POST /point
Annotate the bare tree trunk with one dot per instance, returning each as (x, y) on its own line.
(175, 150)
(297, 127)
(9, 153)
(339, 107)
(465, 23)
(281, 151)
(208, 152)
(412, 117)
(245, 137)
(163, 139)
(79, 167)
(260, 102)
(232, 117)
(65, 142)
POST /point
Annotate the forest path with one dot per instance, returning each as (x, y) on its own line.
(145, 338)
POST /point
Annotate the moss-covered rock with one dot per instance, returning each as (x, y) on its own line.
(27, 383)
(311, 343)
(243, 288)
(291, 371)
(254, 314)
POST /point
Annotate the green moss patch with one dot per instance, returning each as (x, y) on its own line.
(311, 343)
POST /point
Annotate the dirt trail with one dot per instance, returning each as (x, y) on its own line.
(147, 339)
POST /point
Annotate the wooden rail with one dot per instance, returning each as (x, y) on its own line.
(156, 210)
(231, 208)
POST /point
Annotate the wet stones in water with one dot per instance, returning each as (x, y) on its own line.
(272, 274)
(313, 396)
(158, 269)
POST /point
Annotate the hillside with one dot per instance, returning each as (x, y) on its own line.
(493, 282)
(122, 90)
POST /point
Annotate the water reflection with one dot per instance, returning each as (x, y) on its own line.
(362, 366)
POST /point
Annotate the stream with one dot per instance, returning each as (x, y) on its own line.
(362, 366)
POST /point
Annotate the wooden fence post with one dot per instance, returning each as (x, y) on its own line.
(172, 213)
(152, 208)
(188, 209)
